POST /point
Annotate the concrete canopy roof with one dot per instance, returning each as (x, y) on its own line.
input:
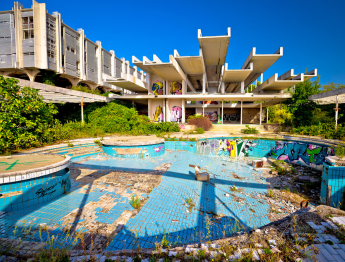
(138, 86)
(261, 62)
(214, 48)
(56, 94)
(170, 71)
(329, 97)
(236, 75)
(191, 65)
(216, 97)
(275, 83)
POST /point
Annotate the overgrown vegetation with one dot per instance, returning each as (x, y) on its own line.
(200, 121)
(135, 202)
(249, 130)
(27, 121)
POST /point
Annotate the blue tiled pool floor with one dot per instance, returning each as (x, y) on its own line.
(216, 210)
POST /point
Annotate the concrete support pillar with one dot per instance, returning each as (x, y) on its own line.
(99, 62)
(267, 115)
(336, 113)
(123, 69)
(32, 73)
(184, 87)
(204, 83)
(222, 112)
(167, 110)
(203, 108)
(241, 112)
(183, 111)
(74, 81)
(223, 88)
(164, 111)
(242, 87)
(128, 71)
(260, 112)
(40, 35)
(262, 78)
(58, 44)
(18, 35)
(149, 113)
(113, 64)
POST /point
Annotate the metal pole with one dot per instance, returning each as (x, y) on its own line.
(241, 111)
(222, 112)
(336, 114)
(82, 110)
(203, 108)
(260, 111)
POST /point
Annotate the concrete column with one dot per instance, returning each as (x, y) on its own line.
(267, 115)
(40, 35)
(167, 110)
(184, 87)
(32, 73)
(123, 69)
(262, 78)
(183, 111)
(241, 112)
(18, 35)
(223, 88)
(58, 44)
(204, 83)
(336, 113)
(128, 72)
(149, 109)
(164, 111)
(242, 87)
(113, 65)
(203, 109)
(222, 112)
(99, 62)
(260, 111)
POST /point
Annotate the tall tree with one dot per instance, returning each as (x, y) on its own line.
(300, 106)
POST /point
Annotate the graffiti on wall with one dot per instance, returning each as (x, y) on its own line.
(176, 114)
(213, 116)
(231, 117)
(157, 88)
(176, 88)
(301, 153)
(158, 115)
(225, 147)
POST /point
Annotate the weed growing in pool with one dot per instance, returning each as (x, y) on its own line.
(270, 193)
(250, 130)
(190, 202)
(98, 142)
(70, 144)
(135, 202)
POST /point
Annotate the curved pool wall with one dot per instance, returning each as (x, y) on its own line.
(303, 153)
(31, 192)
(139, 151)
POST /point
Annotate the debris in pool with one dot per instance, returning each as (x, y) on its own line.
(174, 220)
(227, 195)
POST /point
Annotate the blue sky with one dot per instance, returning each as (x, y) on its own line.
(311, 32)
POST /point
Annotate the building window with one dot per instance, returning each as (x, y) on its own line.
(28, 27)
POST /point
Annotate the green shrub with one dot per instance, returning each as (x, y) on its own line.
(200, 130)
(250, 130)
(135, 202)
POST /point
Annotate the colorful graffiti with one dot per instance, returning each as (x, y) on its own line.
(208, 102)
(159, 149)
(213, 116)
(176, 88)
(157, 88)
(158, 115)
(176, 114)
(301, 153)
(231, 117)
(225, 147)
(182, 127)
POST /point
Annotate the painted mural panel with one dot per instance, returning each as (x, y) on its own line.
(176, 88)
(158, 116)
(157, 87)
(225, 147)
(301, 153)
(176, 114)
